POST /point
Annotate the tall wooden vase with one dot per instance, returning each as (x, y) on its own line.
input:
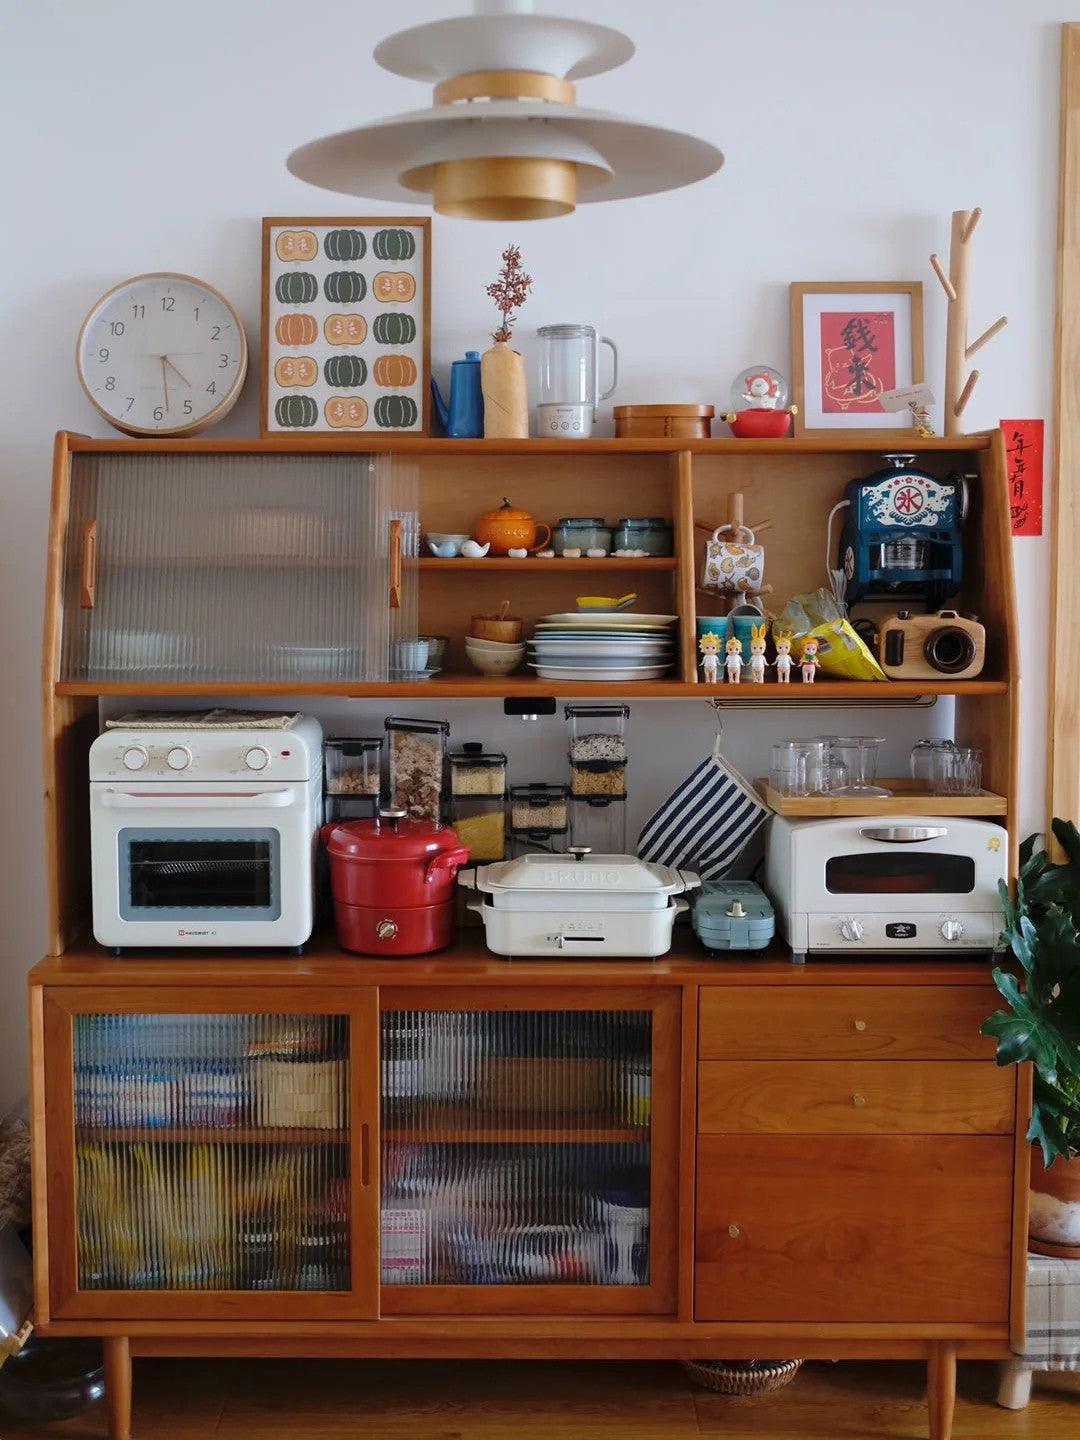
(506, 396)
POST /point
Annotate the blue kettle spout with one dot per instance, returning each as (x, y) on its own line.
(441, 408)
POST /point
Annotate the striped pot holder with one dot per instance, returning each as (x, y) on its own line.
(706, 823)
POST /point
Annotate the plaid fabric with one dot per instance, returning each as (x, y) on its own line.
(1053, 1314)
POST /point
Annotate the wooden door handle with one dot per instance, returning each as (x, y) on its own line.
(365, 1155)
(88, 582)
(395, 564)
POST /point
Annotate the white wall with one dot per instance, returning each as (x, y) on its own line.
(143, 136)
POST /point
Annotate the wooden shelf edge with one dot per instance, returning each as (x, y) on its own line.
(207, 1135)
(532, 564)
(469, 687)
(421, 445)
(905, 800)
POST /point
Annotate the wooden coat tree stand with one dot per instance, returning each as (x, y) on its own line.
(958, 390)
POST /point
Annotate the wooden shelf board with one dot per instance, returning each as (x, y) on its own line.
(461, 1125)
(551, 567)
(207, 1134)
(908, 798)
(423, 445)
(468, 687)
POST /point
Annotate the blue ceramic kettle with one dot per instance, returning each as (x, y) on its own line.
(463, 419)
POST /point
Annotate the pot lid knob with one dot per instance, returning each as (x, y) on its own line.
(579, 852)
(393, 814)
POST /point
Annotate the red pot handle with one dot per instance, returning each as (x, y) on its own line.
(451, 860)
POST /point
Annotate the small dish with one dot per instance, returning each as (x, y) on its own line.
(415, 674)
(443, 544)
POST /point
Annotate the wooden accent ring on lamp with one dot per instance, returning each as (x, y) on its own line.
(528, 187)
(505, 85)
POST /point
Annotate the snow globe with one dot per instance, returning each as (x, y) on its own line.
(759, 404)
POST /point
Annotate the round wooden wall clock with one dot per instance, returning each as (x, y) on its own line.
(162, 354)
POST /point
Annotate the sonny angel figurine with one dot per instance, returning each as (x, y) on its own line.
(808, 661)
(783, 658)
(734, 662)
(757, 653)
(709, 645)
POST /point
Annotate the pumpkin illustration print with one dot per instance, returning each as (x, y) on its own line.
(345, 329)
(394, 287)
(296, 245)
(296, 329)
(296, 370)
(346, 412)
(296, 287)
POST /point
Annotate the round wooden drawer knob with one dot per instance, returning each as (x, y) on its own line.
(734, 1231)
(858, 1101)
(860, 1025)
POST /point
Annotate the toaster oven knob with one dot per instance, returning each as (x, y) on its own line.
(178, 758)
(386, 930)
(851, 929)
(257, 757)
(136, 757)
(952, 930)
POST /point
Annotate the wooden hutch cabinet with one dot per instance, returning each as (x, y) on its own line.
(258, 1154)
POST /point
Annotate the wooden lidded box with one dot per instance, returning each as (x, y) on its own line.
(672, 422)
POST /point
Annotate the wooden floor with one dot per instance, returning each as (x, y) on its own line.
(389, 1400)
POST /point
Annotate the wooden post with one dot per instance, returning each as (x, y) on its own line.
(941, 1388)
(959, 386)
(118, 1386)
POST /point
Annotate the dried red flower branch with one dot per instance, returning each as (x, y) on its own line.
(509, 290)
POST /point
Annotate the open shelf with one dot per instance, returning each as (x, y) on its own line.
(208, 1134)
(908, 798)
(461, 1125)
(451, 686)
(553, 566)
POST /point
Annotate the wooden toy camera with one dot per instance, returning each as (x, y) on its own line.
(931, 647)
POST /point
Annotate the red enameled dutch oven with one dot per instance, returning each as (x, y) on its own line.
(392, 881)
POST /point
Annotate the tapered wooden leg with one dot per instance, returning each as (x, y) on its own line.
(941, 1389)
(118, 1386)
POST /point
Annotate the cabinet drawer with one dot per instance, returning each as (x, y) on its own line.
(854, 1097)
(860, 1229)
(842, 1022)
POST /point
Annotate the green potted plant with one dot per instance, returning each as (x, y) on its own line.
(1042, 1025)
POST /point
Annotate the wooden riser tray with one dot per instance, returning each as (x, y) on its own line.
(908, 798)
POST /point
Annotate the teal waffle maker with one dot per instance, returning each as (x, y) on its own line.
(733, 915)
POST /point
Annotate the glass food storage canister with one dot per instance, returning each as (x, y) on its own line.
(480, 823)
(476, 771)
(539, 814)
(352, 765)
(417, 756)
(597, 732)
(652, 533)
(581, 532)
(599, 824)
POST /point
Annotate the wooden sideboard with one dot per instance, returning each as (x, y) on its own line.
(750, 1159)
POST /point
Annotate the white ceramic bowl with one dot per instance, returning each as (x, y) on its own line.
(491, 664)
(440, 538)
(494, 647)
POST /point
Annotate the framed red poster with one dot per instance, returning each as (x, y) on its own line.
(851, 343)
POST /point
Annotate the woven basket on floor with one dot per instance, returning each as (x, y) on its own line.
(742, 1377)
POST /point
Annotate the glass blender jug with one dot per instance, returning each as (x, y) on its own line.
(570, 380)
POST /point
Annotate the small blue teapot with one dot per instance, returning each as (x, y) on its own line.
(463, 419)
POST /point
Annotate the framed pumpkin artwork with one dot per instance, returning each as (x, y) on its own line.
(851, 343)
(346, 325)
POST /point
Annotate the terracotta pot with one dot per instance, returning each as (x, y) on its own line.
(1054, 1222)
(506, 396)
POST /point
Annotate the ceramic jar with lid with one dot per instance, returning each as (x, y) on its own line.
(650, 533)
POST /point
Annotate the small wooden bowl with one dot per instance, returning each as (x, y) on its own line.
(506, 629)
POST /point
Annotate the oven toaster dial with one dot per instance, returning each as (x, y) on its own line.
(257, 757)
(851, 929)
(952, 930)
(178, 758)
(136, 757)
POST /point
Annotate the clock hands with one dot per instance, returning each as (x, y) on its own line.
(165, 382)
(179, 372)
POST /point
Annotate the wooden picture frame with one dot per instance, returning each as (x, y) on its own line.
(325, 332)
(836, 354)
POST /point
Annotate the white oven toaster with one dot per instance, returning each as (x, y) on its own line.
(205, 837)
(896, 884)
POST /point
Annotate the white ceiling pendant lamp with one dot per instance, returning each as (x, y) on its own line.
(505, 138)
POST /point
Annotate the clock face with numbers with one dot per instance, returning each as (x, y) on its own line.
(162, 355)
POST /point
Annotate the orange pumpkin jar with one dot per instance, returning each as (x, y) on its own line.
(509, 529)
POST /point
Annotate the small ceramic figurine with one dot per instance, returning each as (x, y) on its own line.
(734, 662)
(808, 661)
(757, 654)
(783, 658)
(709, 645)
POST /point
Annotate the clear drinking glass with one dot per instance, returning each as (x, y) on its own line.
(859, 755)
(798, 767)
(957, 771)
(922, 759)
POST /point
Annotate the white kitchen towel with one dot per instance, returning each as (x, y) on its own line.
(707, 822)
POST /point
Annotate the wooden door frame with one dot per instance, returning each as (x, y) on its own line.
(1063, 675)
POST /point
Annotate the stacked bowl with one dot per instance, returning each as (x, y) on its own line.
(494, 657)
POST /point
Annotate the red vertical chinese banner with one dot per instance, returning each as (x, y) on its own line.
(1024, 457)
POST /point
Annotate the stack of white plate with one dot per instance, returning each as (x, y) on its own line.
(583, 645)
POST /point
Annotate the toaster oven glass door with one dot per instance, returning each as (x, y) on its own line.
(190, 874)
(900, 872)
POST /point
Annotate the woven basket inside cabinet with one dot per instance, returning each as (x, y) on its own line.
(742, 1377)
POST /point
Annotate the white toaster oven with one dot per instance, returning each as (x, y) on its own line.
(902, 884)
